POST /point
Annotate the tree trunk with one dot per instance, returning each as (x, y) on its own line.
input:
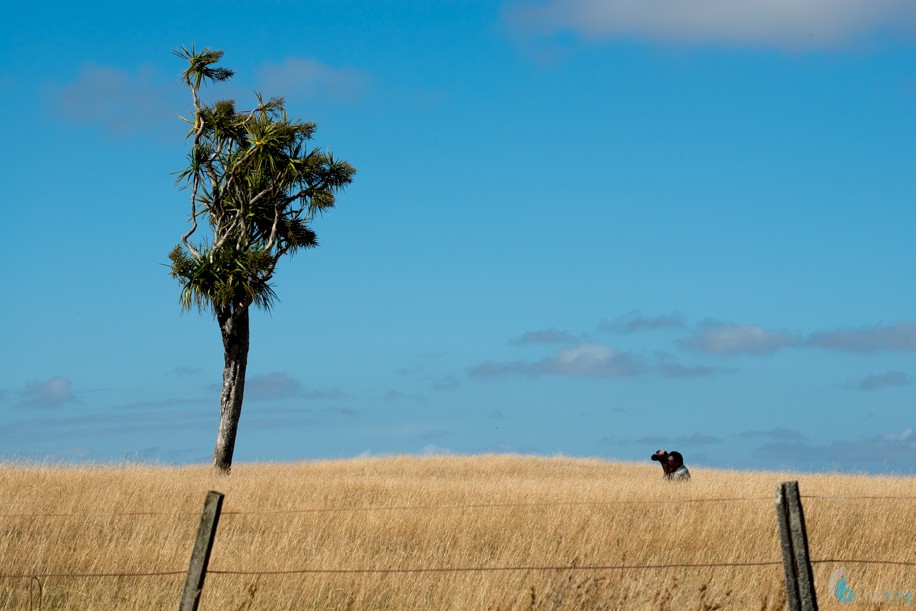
(233, 325)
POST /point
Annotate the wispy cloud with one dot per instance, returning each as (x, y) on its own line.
(48, 429)
(594, 360)
(120, 100)
(893, 452)
(696, 439)
(882, 380)
(546, 336)
(448, 382)
(666, 364)
(905, 436)
(774, 434)
(897, 337)
(397, 395)
(54, 392)
(728, 339)
(492, 369)
(584, 360)
(432, 449)
(309, 77)
(435, 381)
(127, 101)
(279, 385)
(159, 403)
(734, 339)
(326, 393)
(785, 24)
(676, 370)
(277, 417)
(271, 386)
(636, 321)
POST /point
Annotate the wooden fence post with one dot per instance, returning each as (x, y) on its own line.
(793, 539)
(200, 557)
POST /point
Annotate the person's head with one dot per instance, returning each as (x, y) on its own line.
(675, 460)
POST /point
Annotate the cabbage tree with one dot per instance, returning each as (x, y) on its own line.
(255, 187)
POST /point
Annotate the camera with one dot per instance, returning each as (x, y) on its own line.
(660, 456)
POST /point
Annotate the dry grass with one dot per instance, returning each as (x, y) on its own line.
(442, 512)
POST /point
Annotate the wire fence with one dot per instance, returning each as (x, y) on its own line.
(450, 506)
(442, 570)
(468, 569)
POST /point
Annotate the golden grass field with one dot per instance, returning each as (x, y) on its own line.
(447, 512)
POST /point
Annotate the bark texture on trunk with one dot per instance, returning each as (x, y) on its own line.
(234, 328)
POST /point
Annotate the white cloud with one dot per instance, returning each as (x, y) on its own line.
(594, 360)
(898, 337)
(901, 437)
(585, 360)
(55, 392)
(432, 449)
(787, 24)
(726, 339)
(308, 77)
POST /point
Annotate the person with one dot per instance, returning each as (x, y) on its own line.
(673, 465)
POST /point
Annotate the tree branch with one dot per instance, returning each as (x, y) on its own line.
(273, 229)
(184, 238)
(198, 130)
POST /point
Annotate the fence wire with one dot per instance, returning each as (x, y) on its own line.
(454, 506)
(466, 569)
(433, 570)
(494, 569)
(90, 575)
(857, 498)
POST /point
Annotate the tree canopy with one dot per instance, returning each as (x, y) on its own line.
(254, 179)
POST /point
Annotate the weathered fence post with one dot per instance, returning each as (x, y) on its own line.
(197, 569)
(793, 539)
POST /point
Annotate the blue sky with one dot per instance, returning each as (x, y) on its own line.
(579, 228)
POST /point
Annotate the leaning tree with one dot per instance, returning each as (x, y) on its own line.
(254, 179)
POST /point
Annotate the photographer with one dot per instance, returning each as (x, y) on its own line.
(673, 465)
